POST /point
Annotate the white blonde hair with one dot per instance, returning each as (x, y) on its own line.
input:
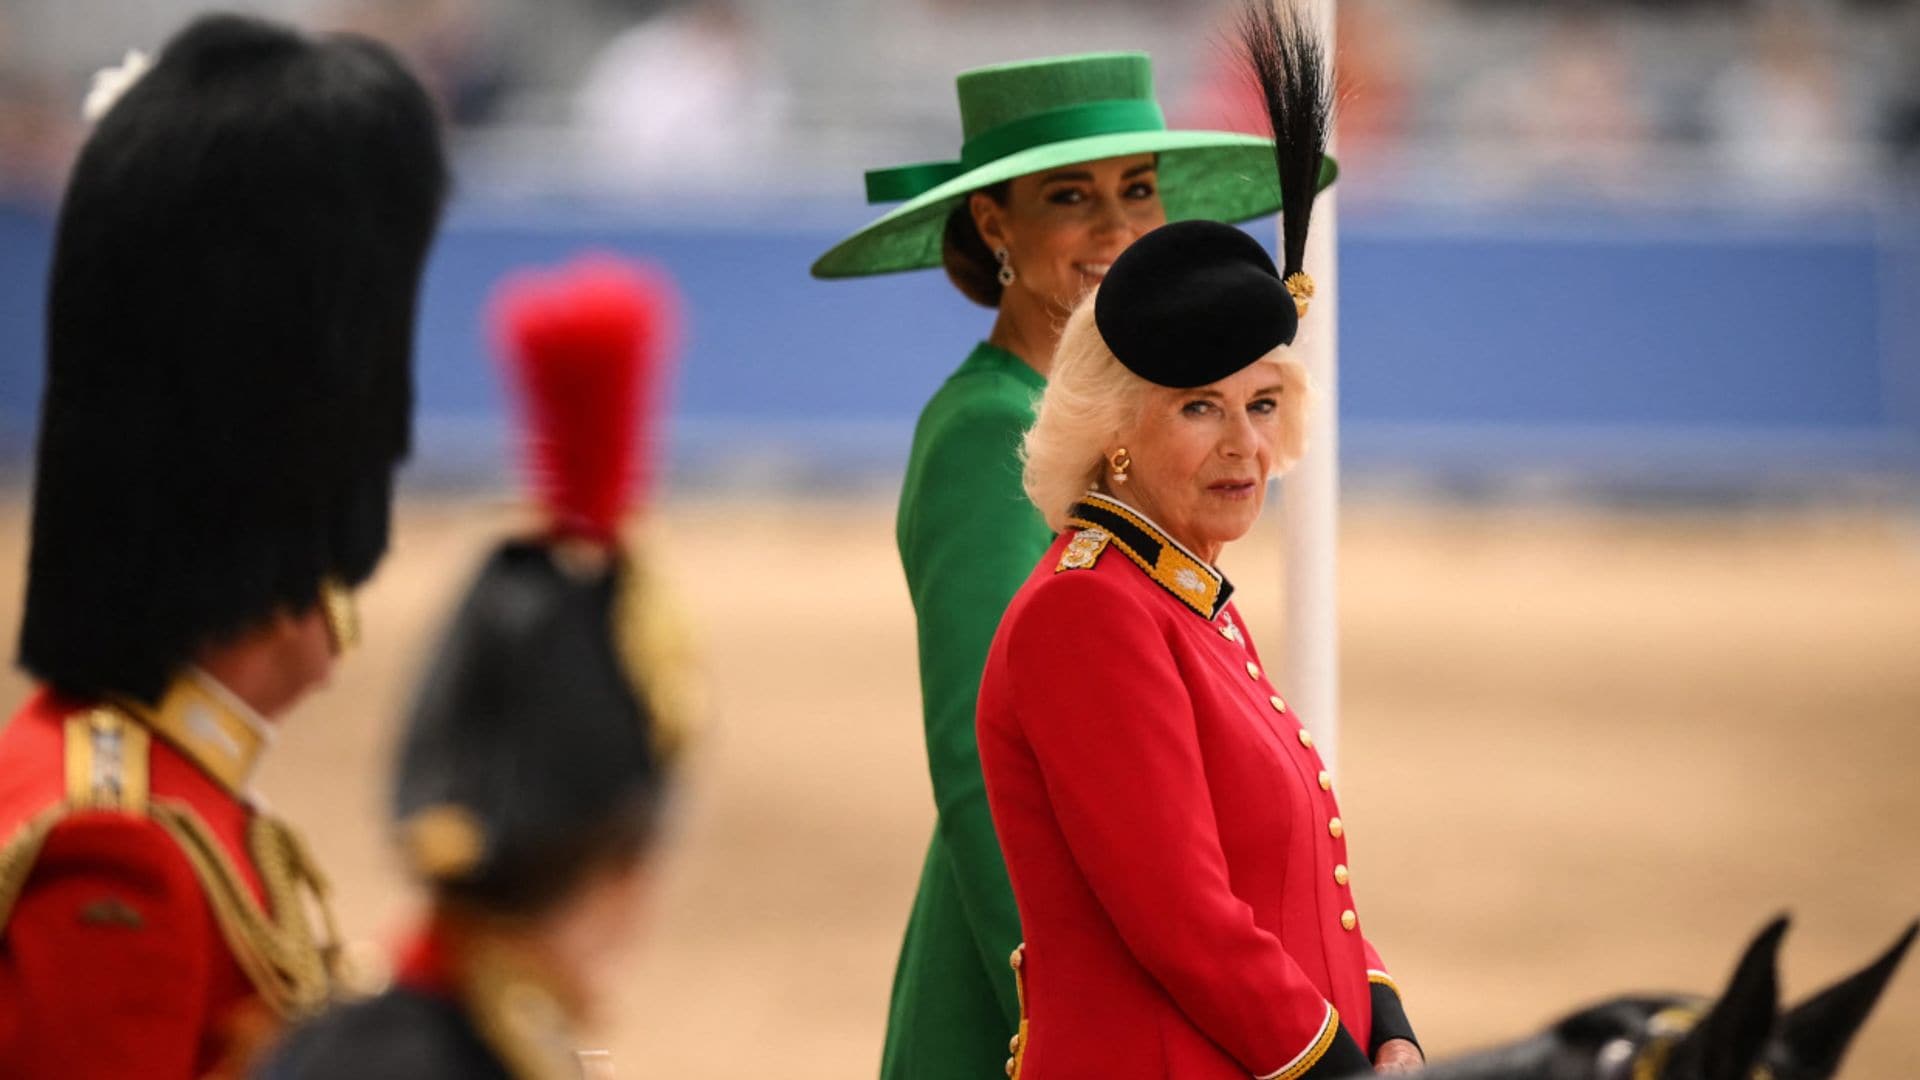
(1091, 399)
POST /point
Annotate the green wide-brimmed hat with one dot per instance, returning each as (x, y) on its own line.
(1043, 114)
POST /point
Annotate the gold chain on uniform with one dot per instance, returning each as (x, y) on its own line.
(293, 972)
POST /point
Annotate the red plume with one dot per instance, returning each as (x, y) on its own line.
(587, 347)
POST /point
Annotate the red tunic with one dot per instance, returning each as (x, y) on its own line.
(112, 961)
(1173, 840)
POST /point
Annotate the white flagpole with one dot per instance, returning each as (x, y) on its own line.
(1310, 494)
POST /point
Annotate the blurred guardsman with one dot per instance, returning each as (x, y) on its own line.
(228, 366)
(534, 764)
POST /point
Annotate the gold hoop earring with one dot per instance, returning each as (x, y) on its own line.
(1118, 463)
(1006, 269)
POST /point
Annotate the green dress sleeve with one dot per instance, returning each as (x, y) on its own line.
(968, 540)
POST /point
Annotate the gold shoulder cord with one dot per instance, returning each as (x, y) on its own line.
(106, 769)
(277, 948)
(17, 857)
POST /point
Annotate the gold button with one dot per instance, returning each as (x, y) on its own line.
(1334, 828)
(1013, 1045)
(1009, 1066)
(1326, 780)
(1340, 874)
(1014, 960)
(1227, 631)
(1277, 703)
(1253, 669)
(1306, 737)
(1348, 920)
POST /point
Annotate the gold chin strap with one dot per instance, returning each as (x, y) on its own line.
(657, 653)
(1300, 287)
(343, 618)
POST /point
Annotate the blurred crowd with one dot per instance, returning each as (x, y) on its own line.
(1469, 100)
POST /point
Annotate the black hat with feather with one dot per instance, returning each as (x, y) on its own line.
(1195, 301)
(538, 748)
(229, 348)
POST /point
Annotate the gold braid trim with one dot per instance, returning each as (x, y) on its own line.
(1018, 1046)
(293, 972)
(18, 854)
(106, 765)
(1311, 1056)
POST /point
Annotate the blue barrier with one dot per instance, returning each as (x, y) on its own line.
(1635, 348)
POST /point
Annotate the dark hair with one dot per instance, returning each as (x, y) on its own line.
(229, 348)
(970, 266)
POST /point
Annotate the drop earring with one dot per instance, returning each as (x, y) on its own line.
(1006, 269)
(1118, 463)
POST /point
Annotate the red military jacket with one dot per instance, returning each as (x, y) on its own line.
(151, 919)
(1172, 836)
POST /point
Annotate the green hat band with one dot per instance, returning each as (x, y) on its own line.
(1053, 125)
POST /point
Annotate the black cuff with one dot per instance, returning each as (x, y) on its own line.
(1343, 1058)
(1389, 1018)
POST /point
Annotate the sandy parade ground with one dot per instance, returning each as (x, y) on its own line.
(1582, 752)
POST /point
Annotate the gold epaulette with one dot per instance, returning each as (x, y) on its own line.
(106, 769)
(1084, 550)
(107, 756)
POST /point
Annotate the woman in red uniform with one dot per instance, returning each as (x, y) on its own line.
(1171, 834)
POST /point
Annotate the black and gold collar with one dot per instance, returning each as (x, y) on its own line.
(1182, 573)
(211, 726)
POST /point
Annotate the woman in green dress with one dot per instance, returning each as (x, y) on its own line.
(1065, 162)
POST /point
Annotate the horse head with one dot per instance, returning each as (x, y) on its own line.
(1739, 1035)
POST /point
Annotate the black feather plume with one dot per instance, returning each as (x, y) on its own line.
(1287, 53)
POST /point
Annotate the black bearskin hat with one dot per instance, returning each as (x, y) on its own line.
(229, 345)
(541, 742)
